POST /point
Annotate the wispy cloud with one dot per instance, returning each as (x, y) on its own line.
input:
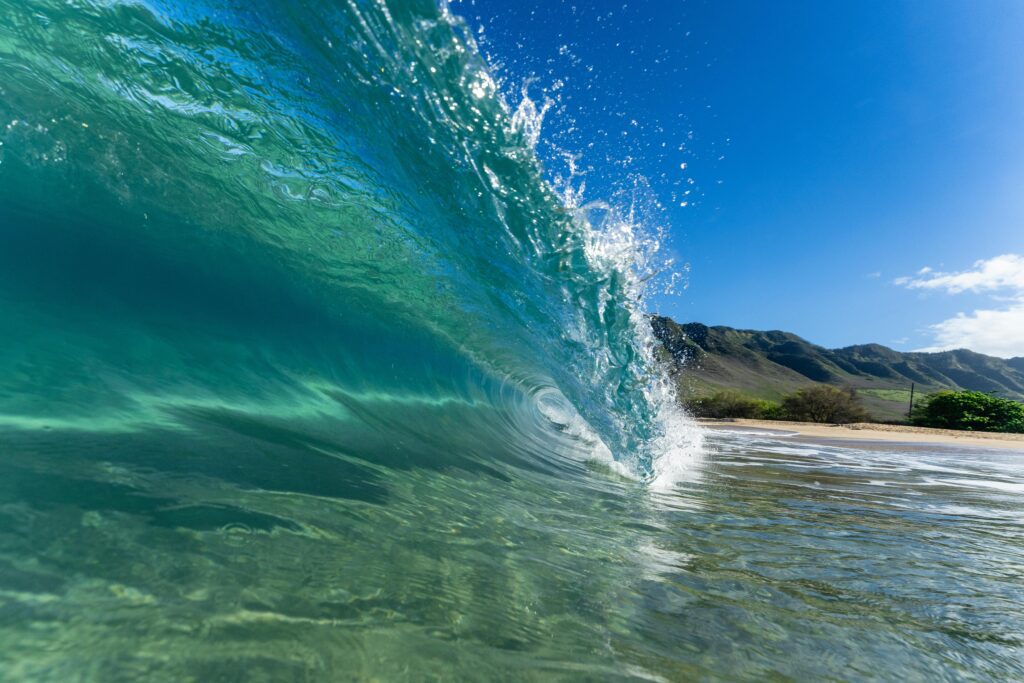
(996, 331)
(1004, 272)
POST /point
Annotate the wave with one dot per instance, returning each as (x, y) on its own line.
(314, 214)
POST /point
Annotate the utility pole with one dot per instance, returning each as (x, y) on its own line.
(910, 410)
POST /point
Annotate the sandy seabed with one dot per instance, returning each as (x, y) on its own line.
(862, 431)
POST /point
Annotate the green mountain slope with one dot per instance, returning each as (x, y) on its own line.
(770, 364)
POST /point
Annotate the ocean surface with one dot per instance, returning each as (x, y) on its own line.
(308, 373)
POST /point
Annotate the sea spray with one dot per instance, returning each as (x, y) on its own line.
(622, 243)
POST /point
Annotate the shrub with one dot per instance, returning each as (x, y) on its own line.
(733, 404)
(771, 410)
(823, 403)
(970, 410)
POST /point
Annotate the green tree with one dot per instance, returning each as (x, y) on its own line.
(969, 410)
(824, 403)
(729, 403)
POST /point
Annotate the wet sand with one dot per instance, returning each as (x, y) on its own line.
(865, 432)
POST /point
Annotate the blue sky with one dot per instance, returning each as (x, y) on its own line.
(832, 150)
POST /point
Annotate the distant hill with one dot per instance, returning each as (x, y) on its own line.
(770, 364)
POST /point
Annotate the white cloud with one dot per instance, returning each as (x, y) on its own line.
(994, 332)
(998, 331)
(1002, 272)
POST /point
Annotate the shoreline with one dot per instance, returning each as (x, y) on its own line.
(867, 432)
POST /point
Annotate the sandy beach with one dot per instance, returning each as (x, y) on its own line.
(867, 432)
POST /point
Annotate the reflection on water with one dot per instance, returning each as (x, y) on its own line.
(127, 558)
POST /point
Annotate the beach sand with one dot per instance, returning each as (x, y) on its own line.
(865, 432)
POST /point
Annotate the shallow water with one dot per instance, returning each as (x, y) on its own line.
(775, 560)
(307, 374)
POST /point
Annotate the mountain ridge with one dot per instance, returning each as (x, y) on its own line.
(770, 363)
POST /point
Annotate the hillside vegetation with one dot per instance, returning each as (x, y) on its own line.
(771, 365)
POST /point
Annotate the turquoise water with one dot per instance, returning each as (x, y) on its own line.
(307, 374)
